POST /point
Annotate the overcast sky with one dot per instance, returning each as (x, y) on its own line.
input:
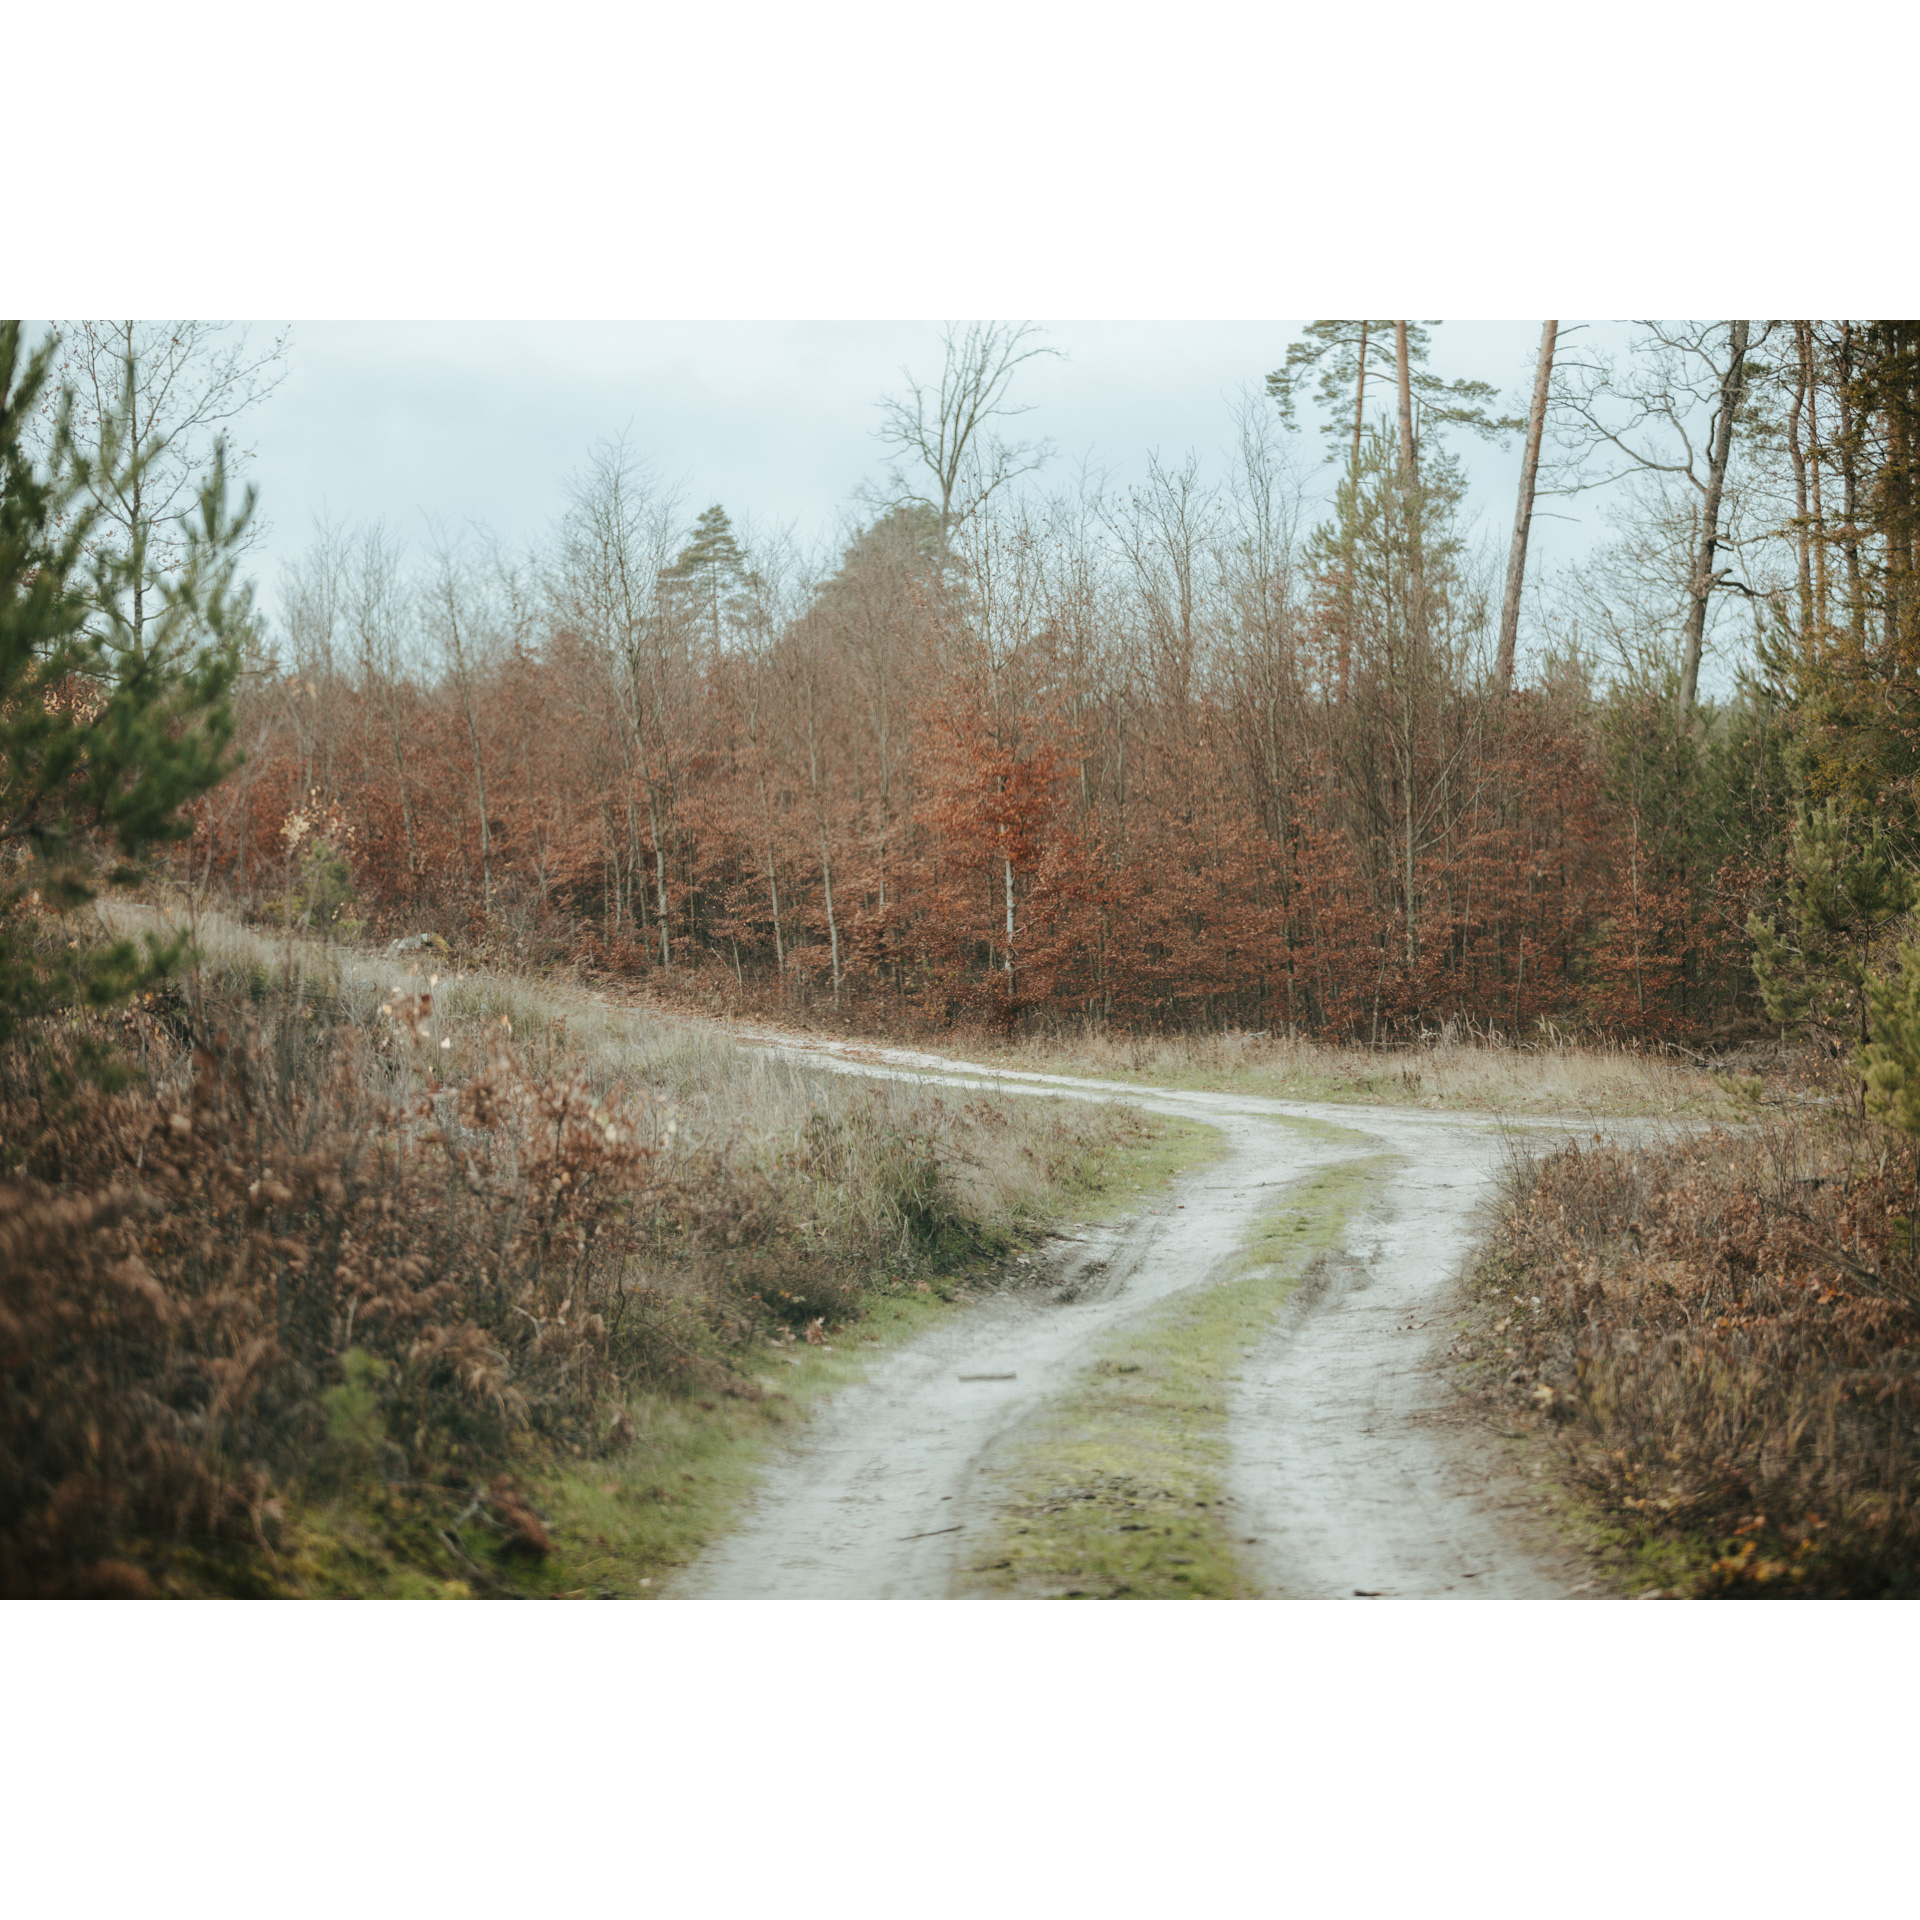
(774, 420)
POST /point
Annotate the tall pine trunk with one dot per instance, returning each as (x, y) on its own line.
(1523, 512)
(1408, 465)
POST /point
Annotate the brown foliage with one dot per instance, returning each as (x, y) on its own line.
(273, 1269)
(1196, 817)
(1726, 1329)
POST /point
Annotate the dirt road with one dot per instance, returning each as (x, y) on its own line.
(1346, 1474)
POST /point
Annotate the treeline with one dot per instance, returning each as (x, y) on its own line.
(1179, 757)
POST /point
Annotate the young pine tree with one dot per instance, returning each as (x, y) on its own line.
(1844, 891)
(108, 728)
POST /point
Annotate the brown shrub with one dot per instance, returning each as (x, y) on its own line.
(525, 1534)
(1726, 1328)
(273, 1269)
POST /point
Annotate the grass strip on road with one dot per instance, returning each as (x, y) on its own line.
(1116, 1491)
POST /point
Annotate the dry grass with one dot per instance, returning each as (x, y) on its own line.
(1001, 1159)
(1484, 1073)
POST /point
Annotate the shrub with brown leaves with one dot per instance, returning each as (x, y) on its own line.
(275, 1268)
(1725, 1328)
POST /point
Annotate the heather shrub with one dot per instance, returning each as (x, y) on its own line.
(306, 1244)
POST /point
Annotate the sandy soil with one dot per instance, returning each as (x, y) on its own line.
(1350, 1472)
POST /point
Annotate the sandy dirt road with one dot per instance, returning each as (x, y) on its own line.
(1348, 1473)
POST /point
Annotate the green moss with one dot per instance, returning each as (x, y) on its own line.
(1166, 1149)
(1115, 1490)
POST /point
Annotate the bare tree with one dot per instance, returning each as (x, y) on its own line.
(948, 431)
(808, 664)
(313, 591)
(1670, 413)
(183, 385)
(619, 538)
(877, 609)
(1261, 677)
(1167, 532)
(778, 590)
(462, 625)
(1523, 511)
(377, 596)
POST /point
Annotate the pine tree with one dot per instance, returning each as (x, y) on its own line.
(111, 722)
(1857, 682)
(1843, 893)
(710, 569)
(1343, 354)
(1890, 1063)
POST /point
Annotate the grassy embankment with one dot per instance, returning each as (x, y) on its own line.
(778, 1226)
(1116, 1490)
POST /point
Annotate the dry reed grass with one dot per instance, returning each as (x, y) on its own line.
(1454, 1068)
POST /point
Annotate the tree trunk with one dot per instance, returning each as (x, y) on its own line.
(660, 894)
(1850, 490)
(1007, 868)
(1345, 667)
(1359, 401)
(1407, 463)
(1701, 592)
(833, 924)
(133, 521)
(773, 892)
(1802, 525)
(773, 879)
(1822, 599)
(480, 788)
(1413, 948)
(1523, 512)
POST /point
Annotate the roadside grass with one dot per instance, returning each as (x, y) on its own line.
(1007, 1161)
(622, 1528)
(1482, 1075)
(1115, 1490)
